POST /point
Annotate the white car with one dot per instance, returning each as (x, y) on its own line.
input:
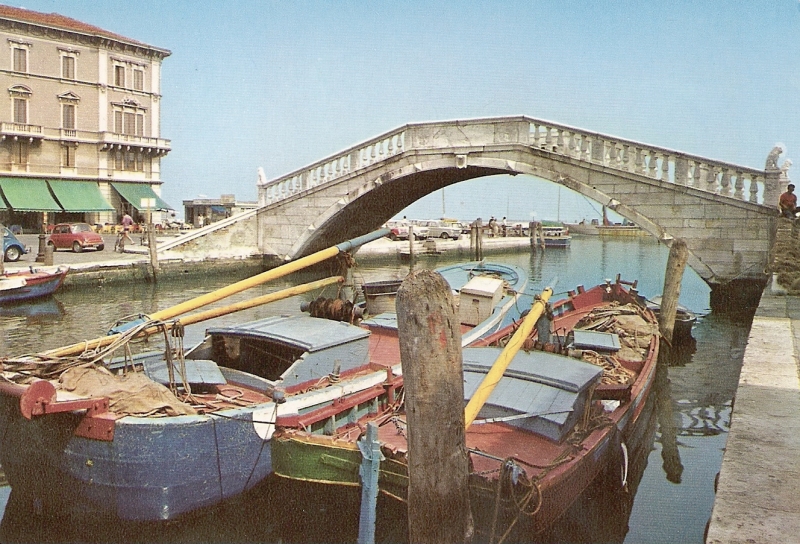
(440, 229)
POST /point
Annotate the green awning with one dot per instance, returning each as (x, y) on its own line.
(135, 192)
(79, 196)
(28, 195)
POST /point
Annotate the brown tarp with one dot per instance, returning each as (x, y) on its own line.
(131, 394)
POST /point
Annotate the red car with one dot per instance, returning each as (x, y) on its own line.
(75, 236)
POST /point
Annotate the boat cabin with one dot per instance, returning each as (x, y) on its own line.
(284, 351)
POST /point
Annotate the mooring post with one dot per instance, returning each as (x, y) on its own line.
(438, 464)
(411, 245)
(370, 467)
(676, 263)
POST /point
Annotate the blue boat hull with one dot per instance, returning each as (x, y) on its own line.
(154, 469)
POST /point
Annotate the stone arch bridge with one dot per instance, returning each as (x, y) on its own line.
(725, 212)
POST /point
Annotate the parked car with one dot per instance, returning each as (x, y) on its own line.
(75, 236)
(440, 229)
(421, 228)
(398, 230)
(13, 249)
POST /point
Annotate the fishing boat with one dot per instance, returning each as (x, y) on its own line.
(555, 234)
(684, 319)
(152, 435)
(606, 227)
(33, 283)
(561, 415)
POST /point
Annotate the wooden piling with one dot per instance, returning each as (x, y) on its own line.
(430, 352)
(411, 245)
(676, 263)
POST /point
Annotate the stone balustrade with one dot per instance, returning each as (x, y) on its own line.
(658, 163)
(653, 162)
(333, 168)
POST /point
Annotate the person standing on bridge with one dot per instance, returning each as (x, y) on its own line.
(787, 203)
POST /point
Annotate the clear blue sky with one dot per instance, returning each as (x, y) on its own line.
(282, 84)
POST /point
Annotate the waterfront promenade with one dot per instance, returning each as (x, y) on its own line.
(759, 480)
(99, 267)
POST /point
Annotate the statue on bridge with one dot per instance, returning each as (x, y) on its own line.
(785, 170)
(772, 158)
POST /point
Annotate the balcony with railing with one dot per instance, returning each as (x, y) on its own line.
(21, 130)
(115, 140)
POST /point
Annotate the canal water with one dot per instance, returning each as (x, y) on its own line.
(670, 489)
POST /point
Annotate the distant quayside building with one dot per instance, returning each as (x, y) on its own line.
(80, 135)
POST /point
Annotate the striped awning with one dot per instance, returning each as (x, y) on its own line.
(28, 195)
(79, 196)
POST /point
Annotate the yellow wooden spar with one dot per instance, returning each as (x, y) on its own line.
(264, 277)
(495, 373)
(76, 349)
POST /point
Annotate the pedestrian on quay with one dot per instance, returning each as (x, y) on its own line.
(504, 226)
(127, 223)
(787, 203)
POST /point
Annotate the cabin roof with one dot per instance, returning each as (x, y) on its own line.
(309, 333)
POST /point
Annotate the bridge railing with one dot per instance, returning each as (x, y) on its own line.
(332, 168)
(659, 163)
(654, 162)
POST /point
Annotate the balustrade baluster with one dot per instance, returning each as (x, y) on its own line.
(754, 182)
(725, 182)
(535, 134)
(665, 167)
(390, 146)
(585, 143)
(627, 158)
(548, 139)
(560, 141)
(738, 191)
(652, 165)
(610, 157)
(569, 143)
(696, 174)
(640, 161)
(711, 180)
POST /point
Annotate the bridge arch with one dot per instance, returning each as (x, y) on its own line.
(724, 211)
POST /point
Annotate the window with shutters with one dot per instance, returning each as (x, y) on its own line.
(19, 152)
(129, 118)
(21, 111)
(68, 116)
(119, 75)
(68, 156)
(67, 67)
(20, 60)
(138, 79)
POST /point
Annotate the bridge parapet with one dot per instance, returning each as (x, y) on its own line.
(334, 167)
(462, 137)
(713, 176)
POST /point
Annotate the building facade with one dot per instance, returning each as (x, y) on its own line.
(80, 134)
(204, 211)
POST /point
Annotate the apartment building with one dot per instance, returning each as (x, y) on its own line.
(80, 135)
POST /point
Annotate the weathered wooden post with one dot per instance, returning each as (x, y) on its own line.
(430, 352)
(676, 263)
(149, 204)
(411, 245)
